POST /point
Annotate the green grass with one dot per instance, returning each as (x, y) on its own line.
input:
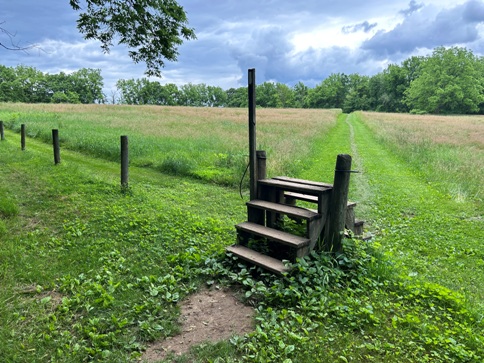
(91, 273)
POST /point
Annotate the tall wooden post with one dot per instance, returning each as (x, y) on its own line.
(124, 162)
(252, 135)
(2, 134)
(338, 203)
(56, 146)
(22, 136)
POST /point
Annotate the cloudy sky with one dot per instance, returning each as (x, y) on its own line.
(285, 40)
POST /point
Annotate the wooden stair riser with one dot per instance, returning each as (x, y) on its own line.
(271, 215)
(351, 223)
(250, 231)
(273, 190)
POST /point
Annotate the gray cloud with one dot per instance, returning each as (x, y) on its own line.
(364, 26)
(424, 30)
(473, 11)
(412, 7)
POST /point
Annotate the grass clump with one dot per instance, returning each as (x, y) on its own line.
(8, 208)
(178, 165)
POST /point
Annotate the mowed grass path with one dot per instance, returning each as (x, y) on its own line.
(428, 233)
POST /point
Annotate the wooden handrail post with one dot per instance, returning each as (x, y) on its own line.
(56, 146)
(124, 162)
(338, 203)
(22, 136)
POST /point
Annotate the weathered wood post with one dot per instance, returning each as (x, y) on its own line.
(338, 203)
(56, 146)
(124, 162)
(2, 134)
(252, 135)
(22, 136)
(261, 164)
(257, 216)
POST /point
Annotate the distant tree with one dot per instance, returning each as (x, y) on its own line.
(330, 93)
(216, 96)
(88, 84)
(7, 78)
(193, 95)
(300, 91)
(237, 97)
(285, 96)
(130, 91)
(267, 95)
(69, 97)
(151, 29)
(170, 94)
(358, 94)
(28, 85)
(449, 82)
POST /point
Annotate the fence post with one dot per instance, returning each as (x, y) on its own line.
(22, 136)
(55, 144)
(124, 162)
(2, 134)
(252, 135)
(338, 203)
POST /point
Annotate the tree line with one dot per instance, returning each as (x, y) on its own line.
(29, 85)
(449, 81)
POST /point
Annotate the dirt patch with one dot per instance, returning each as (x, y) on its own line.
(209, 315)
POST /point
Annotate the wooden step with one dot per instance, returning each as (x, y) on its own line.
(302, 197)
(290, 211)
(311, 198)
(302, 181)
(358, 227)
(273, 234)
(257, 258)
(295, 187)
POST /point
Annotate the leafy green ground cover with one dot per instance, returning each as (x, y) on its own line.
(89, 273)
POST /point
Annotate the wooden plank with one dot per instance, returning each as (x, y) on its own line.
(311, 198)
(302, 181)
(288, 210)
(295, 187)
(257, 258)
(273, 234)
(300, 196)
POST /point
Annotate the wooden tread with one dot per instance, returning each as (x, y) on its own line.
(296, 212)
(311, 198)
(295, 187)
(273, 234)
(257, 258)
(302, 181)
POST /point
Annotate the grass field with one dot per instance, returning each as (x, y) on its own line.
(205, 143)
(90, 273)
